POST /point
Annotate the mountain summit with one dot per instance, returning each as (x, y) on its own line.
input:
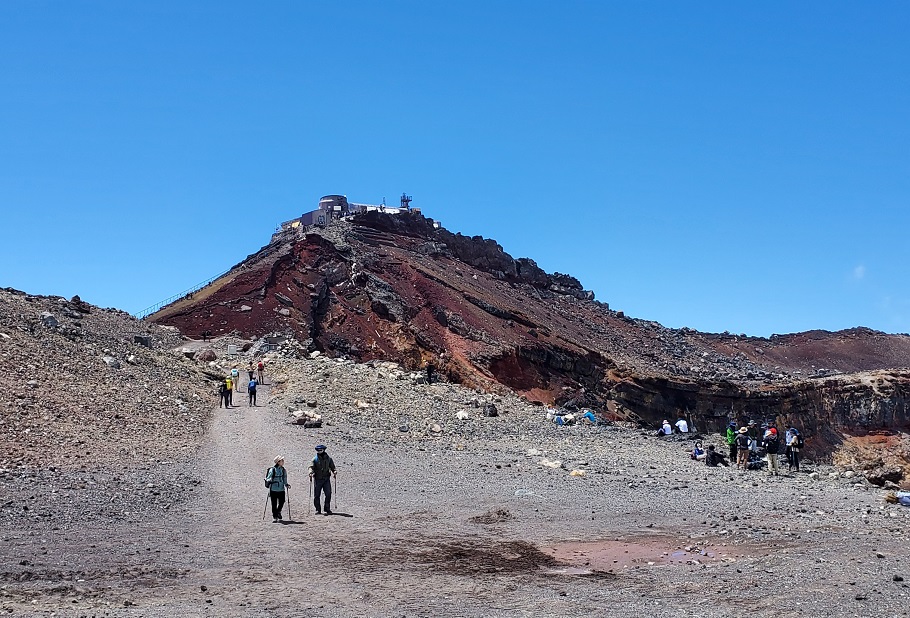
(396, 286)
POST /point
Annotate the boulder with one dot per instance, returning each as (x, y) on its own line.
(490, 410)
(885, 474)
(245, 308)
(111, 362)
(205, 356)
(48, 319)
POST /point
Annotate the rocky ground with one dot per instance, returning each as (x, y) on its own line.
(442, 509)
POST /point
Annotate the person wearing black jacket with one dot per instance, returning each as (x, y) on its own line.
(322, 469)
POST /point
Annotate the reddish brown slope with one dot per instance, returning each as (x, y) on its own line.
(393, 287)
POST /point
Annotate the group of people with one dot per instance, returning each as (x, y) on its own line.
(231, 384)
(680, 426)
(745, 442)
(321, 472)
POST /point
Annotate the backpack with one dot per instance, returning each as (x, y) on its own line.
(268, 483)
(800, 443)
(252, 385)
(772, 444)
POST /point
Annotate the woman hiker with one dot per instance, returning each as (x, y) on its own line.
(277, 478)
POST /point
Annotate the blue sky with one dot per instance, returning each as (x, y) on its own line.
(716, 165)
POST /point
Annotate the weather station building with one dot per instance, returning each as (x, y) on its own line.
(337, 207)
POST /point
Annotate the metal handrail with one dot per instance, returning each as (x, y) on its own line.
(167, 301)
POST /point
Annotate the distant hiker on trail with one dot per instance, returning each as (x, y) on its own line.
(223, 395)
(251, 390)
(794, 444)
(681, 425)
(229, 390)
(714, 459)
(742, 449)
(771, 442)
(259, 368)
(666, 429)
(277, 479)
(322, 469)
(251, 371)
(731, 440)
(235, 377)
(430, 370)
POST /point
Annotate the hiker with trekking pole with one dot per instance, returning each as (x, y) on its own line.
(276, 479)
(322, 469)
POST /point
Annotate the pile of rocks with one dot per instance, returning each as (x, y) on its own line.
(91, 385)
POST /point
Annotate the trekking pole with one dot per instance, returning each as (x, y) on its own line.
(288, 494)
(266, 507)
(335, 493)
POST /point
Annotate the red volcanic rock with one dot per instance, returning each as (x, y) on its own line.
(393, 287)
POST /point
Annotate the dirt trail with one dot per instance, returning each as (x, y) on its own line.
(435, 532)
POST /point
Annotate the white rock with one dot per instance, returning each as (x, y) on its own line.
(245, 308)
(315, 354)
(462, 415)
(550, 463)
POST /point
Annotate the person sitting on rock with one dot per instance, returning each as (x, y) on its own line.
(666, 429)
(681, 425)
(698, 453)
(714, 459)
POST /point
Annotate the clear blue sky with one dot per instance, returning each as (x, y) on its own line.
(717, 165)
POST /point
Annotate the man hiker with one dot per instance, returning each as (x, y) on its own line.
(742, 449)
(731, 440)
(251, 389)
(259, 368)
(229, 390)
(250, 371)
(714, 459)
(235, 378)
(771, 442)
(794, 443)
(223, 395)
(322, 469)
(277, 480)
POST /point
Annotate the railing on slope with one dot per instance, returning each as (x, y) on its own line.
(186, 293)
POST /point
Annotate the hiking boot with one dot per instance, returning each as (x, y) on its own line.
(328, 512)
(275, 520)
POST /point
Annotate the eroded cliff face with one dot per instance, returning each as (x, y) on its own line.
(393, 287)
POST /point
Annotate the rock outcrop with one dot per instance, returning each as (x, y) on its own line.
(394, 287)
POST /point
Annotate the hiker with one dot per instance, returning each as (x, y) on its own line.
(698, 453)
(731, 439)
(322, 469)
(251, 390)
(681, 426)
(277, 478)
(260, 367)
(229, 390)
(222, 395)
(235, 377)
(794, 443)
(430, 370)
(666, 429)
(742, 449)
(771, 442)
(754, 434)
(714, 459)
(250, 371)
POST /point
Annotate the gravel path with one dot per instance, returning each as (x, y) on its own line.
(461, 522)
